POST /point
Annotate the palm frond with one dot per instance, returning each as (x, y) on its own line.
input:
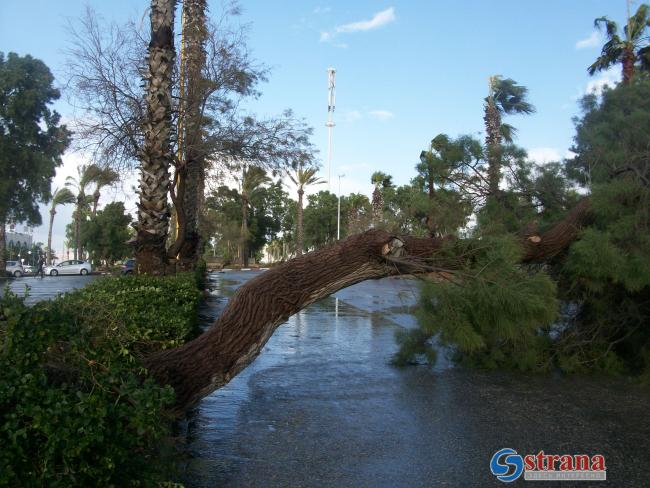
(508, 132)
(610, 26)
(637, 24)
(611, 54)
(62, 196)
(510, 98)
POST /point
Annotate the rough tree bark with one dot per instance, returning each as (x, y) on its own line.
(628, 64)
(195, 36)
(492, 120)
(153, 210)
(209, 362)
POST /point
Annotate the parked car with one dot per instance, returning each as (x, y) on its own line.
(128, 267)
(73, 266)
(15, 268)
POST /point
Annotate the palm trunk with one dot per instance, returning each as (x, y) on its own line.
(153, 209)
(195, 35)
(49, 236)
(243, 252)
(628, 65)
(3, 247)
(77, 229)
(96, 196)
(492, 120)
(299, 234)
(377, 206)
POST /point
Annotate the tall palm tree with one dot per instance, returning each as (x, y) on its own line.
(87, 176)
(155, 154)
(191, 124)
(62, 196)
(106, 177)
(505, 97)
(380, 180)
(253, 180)
(302, 177)
(628, 50)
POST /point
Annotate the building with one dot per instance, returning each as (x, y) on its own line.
(18, 240)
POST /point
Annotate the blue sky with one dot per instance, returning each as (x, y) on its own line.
(406, 70)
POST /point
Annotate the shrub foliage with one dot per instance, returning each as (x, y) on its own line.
(76, 408)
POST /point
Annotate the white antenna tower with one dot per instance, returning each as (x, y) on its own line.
(331, 102)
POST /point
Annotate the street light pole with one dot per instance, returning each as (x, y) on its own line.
(331, 102)
(338, 219)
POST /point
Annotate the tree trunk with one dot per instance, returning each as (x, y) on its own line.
(377, 206)
(77, 228)
(209, 362)
(49, 236)
(155, 156)
(243, 238)
(299, 244)
(628, 65)
(195, 35)
(492, 120)
(3, 247)
(96, 196)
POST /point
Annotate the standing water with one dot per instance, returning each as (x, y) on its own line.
(322, 406)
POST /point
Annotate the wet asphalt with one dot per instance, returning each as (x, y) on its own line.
(322, 406)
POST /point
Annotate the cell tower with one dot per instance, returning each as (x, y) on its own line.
(331, 102)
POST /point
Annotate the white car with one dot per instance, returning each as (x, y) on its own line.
(73, 266)
(15, 268)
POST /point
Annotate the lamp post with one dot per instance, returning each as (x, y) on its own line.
(331, 103)
(338, 219)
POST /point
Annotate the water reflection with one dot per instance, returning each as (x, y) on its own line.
(321, 406)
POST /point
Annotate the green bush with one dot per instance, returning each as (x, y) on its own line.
(76, 408)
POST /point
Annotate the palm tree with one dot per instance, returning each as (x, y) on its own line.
(62, 196)
(252, 181)
(87, 175)
(380, 180)
(156, 156)
(627, 51)
(505, 97)
(302, 178)
(193, 88)
(106, 177)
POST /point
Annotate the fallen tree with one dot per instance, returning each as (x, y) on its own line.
(209, 362)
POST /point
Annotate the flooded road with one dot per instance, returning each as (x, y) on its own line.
(321, 406)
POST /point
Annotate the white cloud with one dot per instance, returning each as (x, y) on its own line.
(607, 78)
(322, 10)
(382, 115)
(543, 155)
(592, 41)
(378, 20)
